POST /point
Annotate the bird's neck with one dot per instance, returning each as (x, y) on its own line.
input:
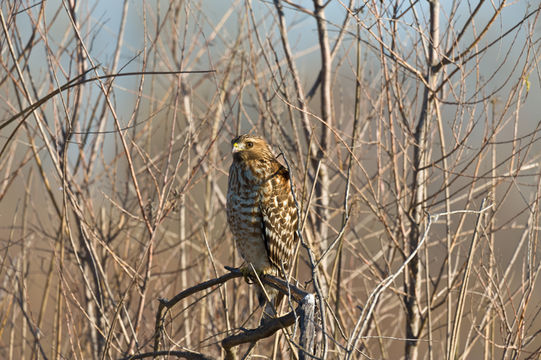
(258, 170)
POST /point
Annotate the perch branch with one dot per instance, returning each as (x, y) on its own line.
(305, 312)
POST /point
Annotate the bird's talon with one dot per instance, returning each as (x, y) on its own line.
(248, 274)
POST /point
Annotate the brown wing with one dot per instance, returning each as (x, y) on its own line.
(279, 219)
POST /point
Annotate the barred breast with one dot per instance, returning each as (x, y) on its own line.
(245, 219)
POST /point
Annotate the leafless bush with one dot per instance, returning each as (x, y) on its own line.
(410, 129)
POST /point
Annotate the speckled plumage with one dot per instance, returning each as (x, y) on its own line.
(261, 211)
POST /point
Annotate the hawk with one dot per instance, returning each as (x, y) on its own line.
(261, 211)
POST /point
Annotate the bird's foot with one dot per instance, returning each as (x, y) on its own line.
(248, 274)
(252, 275)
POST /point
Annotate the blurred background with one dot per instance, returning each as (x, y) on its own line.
(411, 129)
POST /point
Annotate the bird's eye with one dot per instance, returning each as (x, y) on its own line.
(249, 144)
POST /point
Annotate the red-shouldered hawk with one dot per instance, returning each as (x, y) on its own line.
(261, 211)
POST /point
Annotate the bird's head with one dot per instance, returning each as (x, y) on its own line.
(249, 147)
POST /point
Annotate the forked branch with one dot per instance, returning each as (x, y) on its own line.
(304, 313)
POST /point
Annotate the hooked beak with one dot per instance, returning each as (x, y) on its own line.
(236, 147)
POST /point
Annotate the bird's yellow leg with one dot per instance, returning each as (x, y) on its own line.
(247, 273)
(252, 275)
